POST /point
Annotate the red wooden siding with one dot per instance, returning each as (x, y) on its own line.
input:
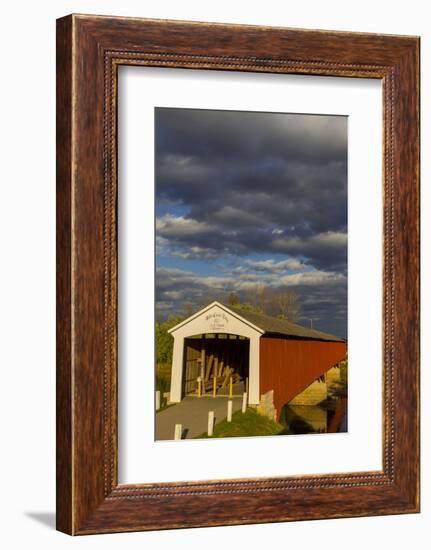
(289, 366)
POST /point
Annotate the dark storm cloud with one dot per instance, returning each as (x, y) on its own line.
(229, 134)
(282, 191)
(240, 185)
(240, 172)
(323, 250)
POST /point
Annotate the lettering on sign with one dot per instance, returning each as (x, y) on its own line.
(217, 321)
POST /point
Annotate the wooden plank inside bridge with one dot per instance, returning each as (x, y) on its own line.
(215, 358)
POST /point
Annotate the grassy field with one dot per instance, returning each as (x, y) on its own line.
(247, 424)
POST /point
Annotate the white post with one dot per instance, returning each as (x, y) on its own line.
(177, 369)
(178, 432)
(253, 374)
(244, 402)
(210, 423)
(229, 411)
(157, 400)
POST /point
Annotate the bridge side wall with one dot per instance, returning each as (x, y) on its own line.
(289, 366)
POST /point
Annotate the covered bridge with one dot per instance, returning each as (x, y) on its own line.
(269, 353)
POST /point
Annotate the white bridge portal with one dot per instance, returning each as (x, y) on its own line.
(215, 319)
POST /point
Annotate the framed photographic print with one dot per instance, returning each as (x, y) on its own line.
(237, 274)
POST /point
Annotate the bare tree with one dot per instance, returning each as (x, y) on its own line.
(258, 296)
(233, 299)
(277, 302)
(262, 297)
(287, 305)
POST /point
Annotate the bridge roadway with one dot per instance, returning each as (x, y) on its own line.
(192, 414)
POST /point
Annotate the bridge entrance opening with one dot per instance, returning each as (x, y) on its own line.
(218, 361)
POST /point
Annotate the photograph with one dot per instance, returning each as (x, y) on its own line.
(251, 236)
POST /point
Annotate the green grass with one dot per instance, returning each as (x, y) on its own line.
(247, 424)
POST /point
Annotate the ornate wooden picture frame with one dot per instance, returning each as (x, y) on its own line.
(89, 51)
